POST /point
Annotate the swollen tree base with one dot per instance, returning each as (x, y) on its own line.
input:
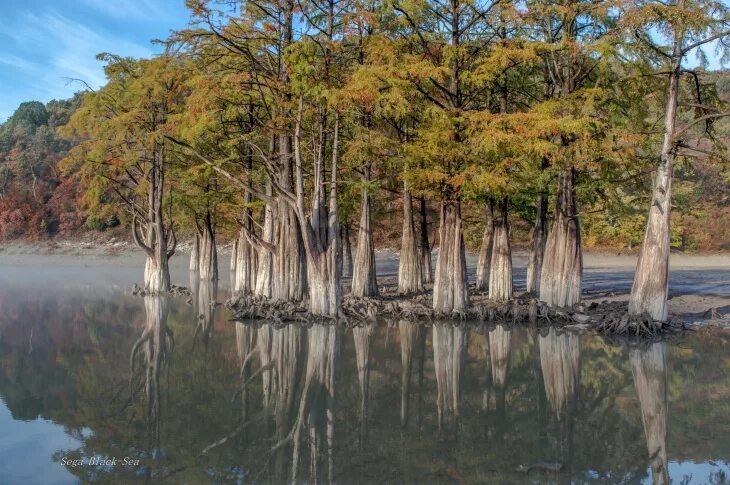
(450, 291)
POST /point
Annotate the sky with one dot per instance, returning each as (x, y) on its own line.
(45, 43)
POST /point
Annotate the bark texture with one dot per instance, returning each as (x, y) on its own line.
(409, 265)
(537, 246)
(265, 267)
(562, 269)
(364, 281)
(485, 250)
(450, 291)
(425, 245)
(346, 250)
(208, 251)
(651, 280)
(649, 368)
(195, 254)
(245, 255)
(500, 268)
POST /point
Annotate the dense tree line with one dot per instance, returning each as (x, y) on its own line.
(291, 122)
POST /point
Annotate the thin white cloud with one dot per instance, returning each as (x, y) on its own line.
(145, 10)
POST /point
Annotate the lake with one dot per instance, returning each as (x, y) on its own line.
(97, 385)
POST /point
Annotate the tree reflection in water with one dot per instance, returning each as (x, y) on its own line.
(296, 405)
(649, 368)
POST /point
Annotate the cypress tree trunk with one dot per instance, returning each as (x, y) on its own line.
(649, 368)
(208, 251)
(409, 266)
(500, 274)
(265, 268)
(562, 268)
(537, 247)
(234, 258)
(450, 291)
(364, 281)
(195, 254)
(246, 263)
(346, 246)
(289, 264)
(485, 251)
(425, 246)
(245, 255)
(651, 280)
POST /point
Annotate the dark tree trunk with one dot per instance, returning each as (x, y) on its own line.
(346, 249)
(562, 268)
(537, 246)
(485, 251)
(500, 268)
(409, 266)
(425, 246)
(450, 291)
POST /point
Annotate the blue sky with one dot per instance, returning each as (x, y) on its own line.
(43, 43)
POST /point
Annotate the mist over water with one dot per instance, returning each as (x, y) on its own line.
(88, 371)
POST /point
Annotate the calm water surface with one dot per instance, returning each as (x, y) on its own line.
(188, 396)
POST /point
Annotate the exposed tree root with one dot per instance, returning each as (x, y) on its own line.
(173, 291)
(610, 318)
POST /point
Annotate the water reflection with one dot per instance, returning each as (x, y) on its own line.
(281, 403)
(449, 353)
(153, 350)
(649, 368)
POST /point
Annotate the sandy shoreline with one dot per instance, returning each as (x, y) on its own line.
(699, 283)
(17, 252)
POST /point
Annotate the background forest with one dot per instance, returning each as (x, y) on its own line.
(39, 200)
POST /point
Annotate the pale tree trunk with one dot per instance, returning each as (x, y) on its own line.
(651, 280)
(485, 251)
(537, 246)
(160, 242)
(500, 268)
(234, 259)
(449, 354)
(245, 256)
(562, 267)
(206, 309)
(364, 281)
(409, 266)
(424, 245)
(264, 270)
(195, 254)
(289, 264)
(450, 291)
(649, 368)
(321, 246)
(208, 251)
(560, 364)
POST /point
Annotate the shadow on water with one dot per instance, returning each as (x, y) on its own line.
(198, 398)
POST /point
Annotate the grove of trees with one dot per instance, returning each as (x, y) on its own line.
(299, 126)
